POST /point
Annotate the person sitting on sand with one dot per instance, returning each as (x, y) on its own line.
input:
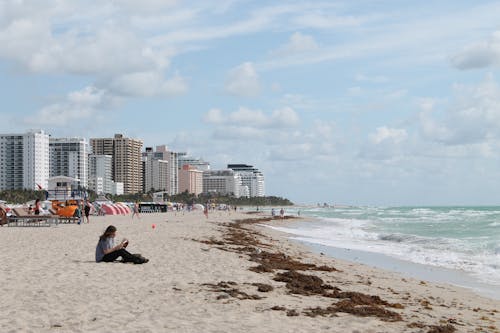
(37, 207)
(107, 251)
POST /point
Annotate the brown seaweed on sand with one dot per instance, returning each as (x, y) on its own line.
(263, 288)
(249, 242)
(442, 329)
(303, 284)
(227, 289)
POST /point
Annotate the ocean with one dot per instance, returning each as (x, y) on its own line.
(460, 239)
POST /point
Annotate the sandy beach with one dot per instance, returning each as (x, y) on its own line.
(227, 273)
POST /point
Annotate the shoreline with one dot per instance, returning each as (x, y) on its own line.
(409, 269)
(404, 267)
(227, 273)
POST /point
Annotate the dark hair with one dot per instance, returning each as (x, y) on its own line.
(108, 232)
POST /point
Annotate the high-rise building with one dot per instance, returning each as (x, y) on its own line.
(224, 182)
(24, 160)
(69, 157)
(155, 172)
(126, 155)
(190, 179)
(162, 153)
(100, 173)
(250, 177)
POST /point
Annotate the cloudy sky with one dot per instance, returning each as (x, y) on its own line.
(347, 102)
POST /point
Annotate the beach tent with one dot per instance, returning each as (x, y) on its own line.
(109, 209)
(123, 209)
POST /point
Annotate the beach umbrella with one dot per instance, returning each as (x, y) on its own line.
(198, 206)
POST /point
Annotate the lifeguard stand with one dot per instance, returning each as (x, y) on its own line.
(64, 188)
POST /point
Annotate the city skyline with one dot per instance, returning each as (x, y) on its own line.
(360, 103)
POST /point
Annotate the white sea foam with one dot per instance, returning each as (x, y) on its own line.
(455, 238)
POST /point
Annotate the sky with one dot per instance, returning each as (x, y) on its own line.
(382, 103)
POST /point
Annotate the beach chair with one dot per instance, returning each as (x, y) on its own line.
(22, 218)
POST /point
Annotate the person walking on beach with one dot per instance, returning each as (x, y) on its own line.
(205, 210)
(282, 213)
(136, 210)
(86, 210)
(107, 251)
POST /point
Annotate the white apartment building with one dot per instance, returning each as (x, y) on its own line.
(100, 174)
(250, 177)
(155, 172)
(224, 182)
(69, 157)
(162, 153)
(24, 160)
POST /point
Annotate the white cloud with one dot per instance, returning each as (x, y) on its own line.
(472, 118)
(243, 80)
(71, 39)
(244, 117)
(479, 55)
(106, 52)
(298, 43)
(214, 116)
(384, 134)
(146, 84)
(78, 106)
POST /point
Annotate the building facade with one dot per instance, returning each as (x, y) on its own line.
(24, 160)
(100, 173)
(250, 177)
(162, 153)
(69, 157)
(126, 156)
(223, 182)
(190, 179)
(155, 172)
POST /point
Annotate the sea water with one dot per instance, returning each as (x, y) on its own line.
(466, 239)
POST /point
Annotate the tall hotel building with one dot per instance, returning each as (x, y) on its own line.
(250, 177)
(69, 157)
(100, 174)
(190, 179)
(24, 160)
(126, 156)
(155, 171)
(154, 179)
